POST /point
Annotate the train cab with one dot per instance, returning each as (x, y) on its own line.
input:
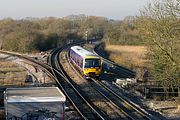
(86, 62)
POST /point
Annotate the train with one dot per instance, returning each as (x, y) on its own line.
(87, 63)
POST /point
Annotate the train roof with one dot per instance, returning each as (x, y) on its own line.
(82, 52)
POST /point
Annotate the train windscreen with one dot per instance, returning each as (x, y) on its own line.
(89, 63)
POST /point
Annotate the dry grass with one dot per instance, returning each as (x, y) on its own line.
(136, 49)
(11, 74)
(132, 57)
(14, 78)
(127, 55)
(7, 64)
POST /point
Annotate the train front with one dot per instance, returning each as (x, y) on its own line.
(92, 67)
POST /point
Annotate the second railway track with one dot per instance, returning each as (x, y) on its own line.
(84, 97)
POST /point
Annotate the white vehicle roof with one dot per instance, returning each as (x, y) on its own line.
(34, 94)
(82, 52)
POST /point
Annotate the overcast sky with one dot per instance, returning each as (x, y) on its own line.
(114, 9)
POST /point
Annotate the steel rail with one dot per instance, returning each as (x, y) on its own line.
(117, 104)
(130, 103)
(79, 102)
(48, 69)
(145, 115)
(100, 92)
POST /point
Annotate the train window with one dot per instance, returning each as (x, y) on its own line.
(78, 61)
(92, 63)
(75, 56)
(97, 63)
(81, 63)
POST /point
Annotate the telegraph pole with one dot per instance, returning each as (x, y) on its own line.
(86, 36)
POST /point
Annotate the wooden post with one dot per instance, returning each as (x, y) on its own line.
(145, 93)
(178, 109)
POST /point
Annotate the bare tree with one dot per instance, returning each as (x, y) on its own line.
(159, 24)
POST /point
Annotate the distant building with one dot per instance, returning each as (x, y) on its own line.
(35, 103)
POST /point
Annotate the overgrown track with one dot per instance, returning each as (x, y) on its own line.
(124, 72)
(44, 67)
(82, 106)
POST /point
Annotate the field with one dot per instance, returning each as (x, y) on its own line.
(132, 57)
(11, 74)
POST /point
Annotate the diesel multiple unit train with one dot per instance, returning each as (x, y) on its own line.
(86, 62)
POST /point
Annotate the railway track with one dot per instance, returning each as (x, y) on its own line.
(79, 102)
(105, 106)
(122, 71)
(129, 109)
(85, 109)
(46, 68)
(128, 73)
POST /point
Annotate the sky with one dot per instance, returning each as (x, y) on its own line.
(112, 9)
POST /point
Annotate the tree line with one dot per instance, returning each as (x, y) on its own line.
(124, 32)
(34, 34)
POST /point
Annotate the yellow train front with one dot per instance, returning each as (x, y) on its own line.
(92, 66)
(86, 62)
